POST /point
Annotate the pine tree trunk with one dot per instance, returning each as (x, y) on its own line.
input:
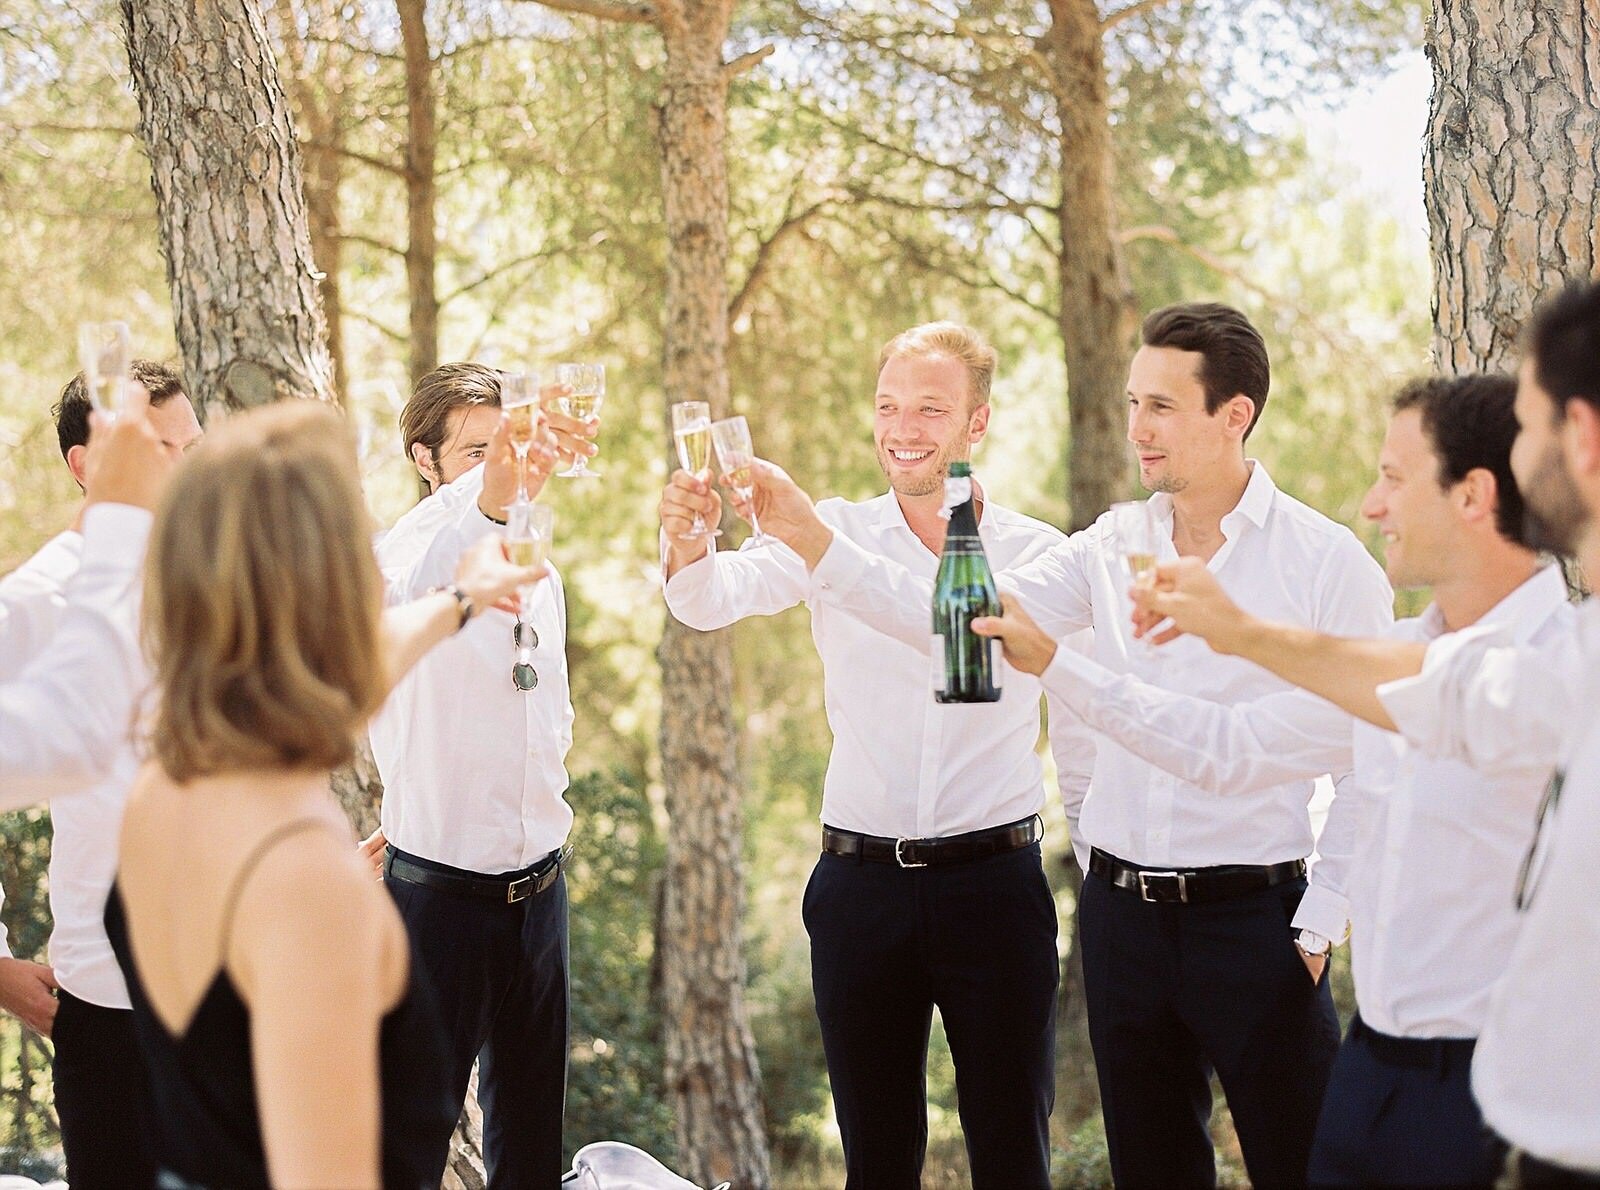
(421, 190)
(1509, 168)
(711, 1059)
(1096, 302)
(225, 167)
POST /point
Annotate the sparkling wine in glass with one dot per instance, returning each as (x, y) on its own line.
(691, 434)
(736, 458)
(529, 528)
(1137, 540)
(519, 397)
(587, 385)
(105, 353)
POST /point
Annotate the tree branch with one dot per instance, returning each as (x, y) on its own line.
(1113, 19)
(377, 163)
(793, 223)
(629, 12)
(499, 270)
(388, 331)
(351, 237)
(746, 62)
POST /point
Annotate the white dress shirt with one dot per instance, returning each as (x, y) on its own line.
(473, 769)
(902, 765)
(67, 715)
(1509, 710)
(32, 600)
(85, 823)
(1280, 559)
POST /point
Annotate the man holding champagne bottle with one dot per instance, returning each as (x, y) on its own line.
(1204, 947)
(929, 889)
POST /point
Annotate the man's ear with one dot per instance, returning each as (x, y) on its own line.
(1238, 413)
(77, 457)
(426, 467)
(1581, 431)
(1478, 494)
(978, 424)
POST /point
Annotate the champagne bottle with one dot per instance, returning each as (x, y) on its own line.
(966, 666)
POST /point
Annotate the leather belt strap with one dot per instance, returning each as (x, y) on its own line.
(1435, 1053)
(493, 888)
(1191, 885)
(923, 853)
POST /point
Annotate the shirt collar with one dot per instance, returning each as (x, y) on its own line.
(1254, 505)
(1521, 613)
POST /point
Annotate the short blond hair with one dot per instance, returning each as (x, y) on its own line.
(262, 599)
(954, 340)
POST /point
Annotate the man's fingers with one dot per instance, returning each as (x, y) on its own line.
(47, 976)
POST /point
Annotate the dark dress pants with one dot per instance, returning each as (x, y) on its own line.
(1400, 1112)
(103, 1097)
(1175, 992)
(498, 975)
(977, 940)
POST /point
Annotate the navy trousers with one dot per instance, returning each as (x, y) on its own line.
(103, 1096)
(1400, 1112)
(1175, 992)
(975, 939)
(498, 974)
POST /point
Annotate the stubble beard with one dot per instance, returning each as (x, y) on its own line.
(909, 485)
(1553, 512)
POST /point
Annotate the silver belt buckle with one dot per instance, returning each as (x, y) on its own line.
(1144, 887)
(901, 859)
(519, 890)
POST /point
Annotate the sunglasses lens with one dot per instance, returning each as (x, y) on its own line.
(524, 676)
(524, 636)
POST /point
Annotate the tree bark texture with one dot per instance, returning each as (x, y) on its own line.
(711, 1058)
(1096, 299)
(1509, 167)
(225, 167)
(422, 192)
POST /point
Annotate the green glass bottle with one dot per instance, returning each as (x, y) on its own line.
(966, 666)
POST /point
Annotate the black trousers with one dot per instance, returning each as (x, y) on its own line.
(975, 939)
(1524, 1171)
(498, 974)
(1400, 1112)
(1175, 992)
(102, 1095)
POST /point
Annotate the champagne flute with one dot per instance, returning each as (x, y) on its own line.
(105, 353)
(587, 385)
(1137, 540)
(529, 528)
(519, 397)
(691, 434)
(735, 456)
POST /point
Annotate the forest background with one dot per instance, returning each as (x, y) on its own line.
(482, 182)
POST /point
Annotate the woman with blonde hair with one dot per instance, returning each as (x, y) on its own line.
(269, 973)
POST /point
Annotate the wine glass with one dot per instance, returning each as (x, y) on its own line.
(735, 456)
(529, 528)
(1137, 540)
(691, 434)
(105, 353)
(519, 397)
(587, 385)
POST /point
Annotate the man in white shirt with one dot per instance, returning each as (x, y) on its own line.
(101, 1094)
(473, 819)
(929, 890)
(1438, 844)
(1194, 905)
(1503, 707)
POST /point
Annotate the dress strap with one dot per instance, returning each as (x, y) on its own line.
(257, 853)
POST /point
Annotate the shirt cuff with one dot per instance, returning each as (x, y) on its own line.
(1075, 679)
(689, 580)
(841, 567)
(115, 535)
(1325, 912)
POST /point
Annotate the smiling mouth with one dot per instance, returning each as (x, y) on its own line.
(909, 457)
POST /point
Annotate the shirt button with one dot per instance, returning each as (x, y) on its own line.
(825, 585)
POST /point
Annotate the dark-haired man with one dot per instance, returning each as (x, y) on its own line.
(1437, 843)
(1194, 905)
(1503, 706)
(100, 1092)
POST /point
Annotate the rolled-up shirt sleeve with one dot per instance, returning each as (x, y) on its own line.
(66, 715)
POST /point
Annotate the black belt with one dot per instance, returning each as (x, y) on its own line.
(1432, 1053)
(922, 853)
(1190, 885)
(508, 889)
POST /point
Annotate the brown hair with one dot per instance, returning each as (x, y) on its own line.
(71, 412)
(952, 339)
(439, 394)
(262, 599)
(1233, 356)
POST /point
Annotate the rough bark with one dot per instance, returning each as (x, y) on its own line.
(421, 189)
(1509, 168)
(225, 167)
(711, 1058)
(1096, 299)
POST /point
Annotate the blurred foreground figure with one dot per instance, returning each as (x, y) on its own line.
(270, 977)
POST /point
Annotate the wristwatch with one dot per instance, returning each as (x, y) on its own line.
(464, 603)
(1313, 946)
